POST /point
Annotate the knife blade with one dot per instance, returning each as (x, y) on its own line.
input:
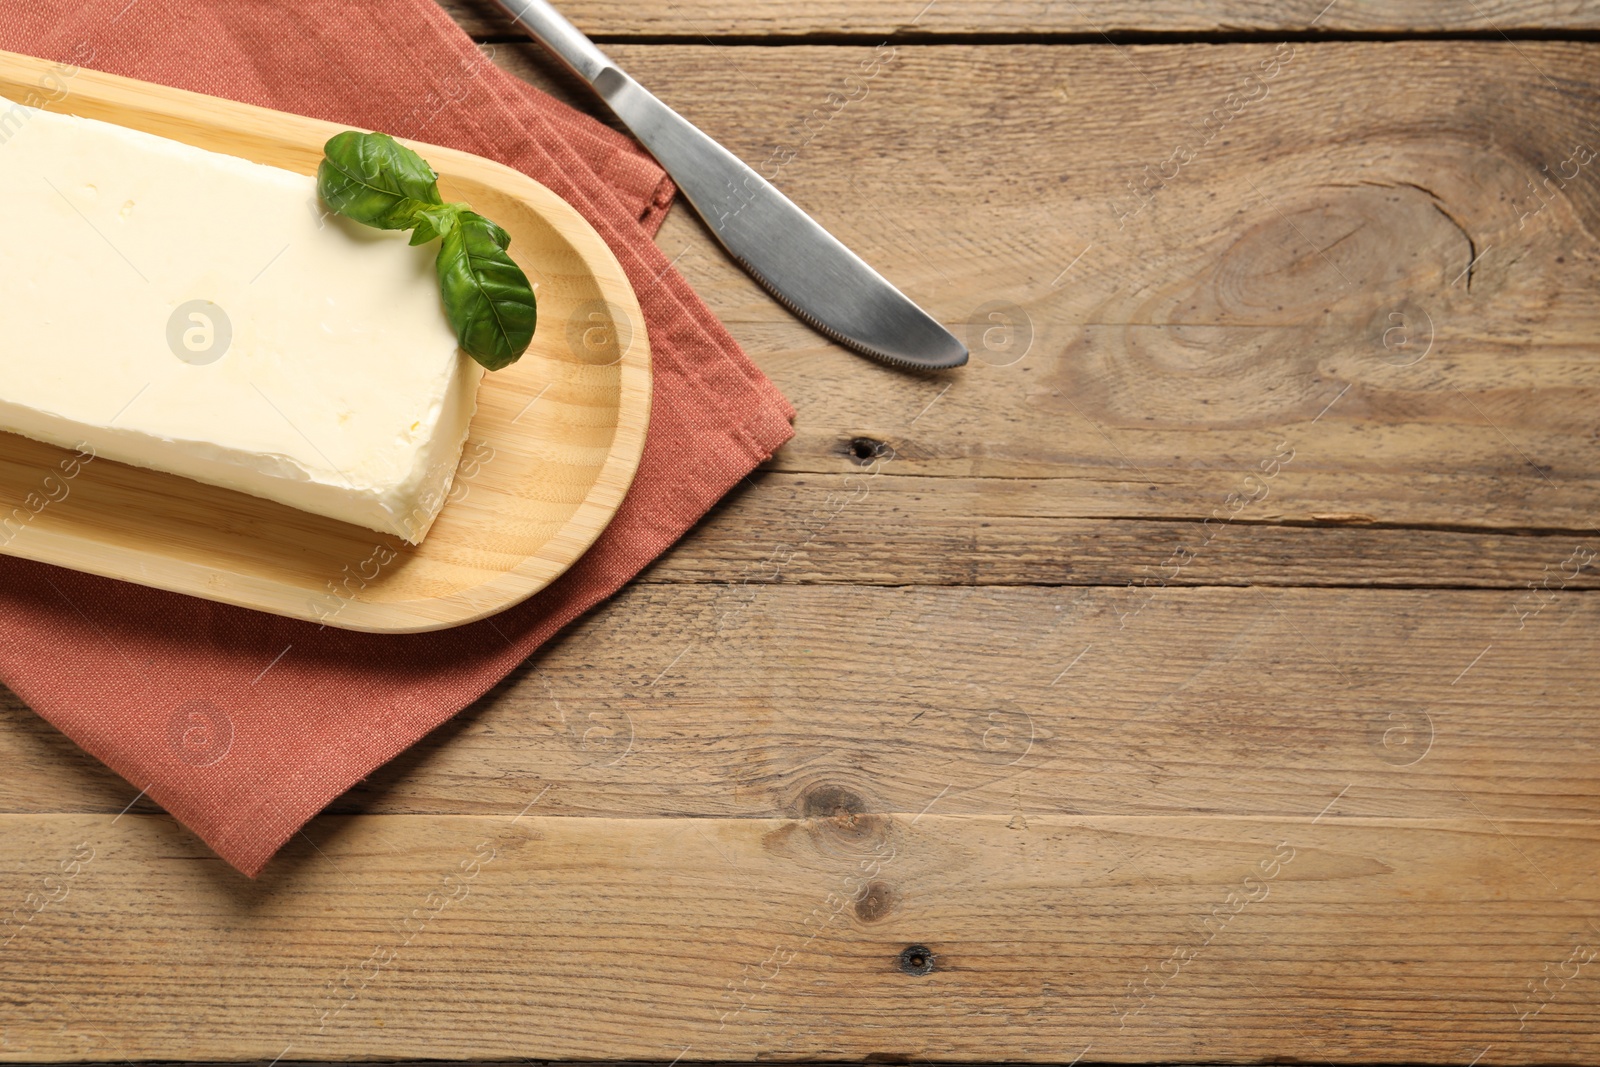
(805, 267)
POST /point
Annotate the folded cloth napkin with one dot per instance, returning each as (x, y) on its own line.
(245, 725)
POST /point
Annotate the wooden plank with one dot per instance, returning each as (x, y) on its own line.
(1299, 289)
(1205, 938)
(744, 701)
(875, 527)
(911, 18)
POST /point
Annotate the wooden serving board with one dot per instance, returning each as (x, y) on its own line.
(551, 452)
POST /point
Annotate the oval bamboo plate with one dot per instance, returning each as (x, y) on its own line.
(551, 452)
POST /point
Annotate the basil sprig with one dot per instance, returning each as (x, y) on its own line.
(375, 180)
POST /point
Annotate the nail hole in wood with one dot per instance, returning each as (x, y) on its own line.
(916, 959)
(865, 449)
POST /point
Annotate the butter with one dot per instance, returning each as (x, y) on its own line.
(200, 314)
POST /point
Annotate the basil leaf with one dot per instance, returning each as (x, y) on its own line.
(375, 180)
(486, 295)
(435, 221)
(372, 178)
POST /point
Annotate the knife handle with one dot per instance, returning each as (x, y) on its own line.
(553, 31)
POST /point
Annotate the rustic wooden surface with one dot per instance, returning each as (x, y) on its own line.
(1033, 18)
(966, 669)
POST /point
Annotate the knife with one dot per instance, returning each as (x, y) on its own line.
(804, 266)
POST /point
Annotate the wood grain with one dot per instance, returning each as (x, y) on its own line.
(874, 527)
(530, 495)
(1212, 331)
(914, 634)
(1200, 938)
(739, 701)
(912, 18)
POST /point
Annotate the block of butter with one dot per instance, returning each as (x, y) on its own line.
(201, 314)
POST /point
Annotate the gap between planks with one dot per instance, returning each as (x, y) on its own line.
(1090, 38)
(1417, 822)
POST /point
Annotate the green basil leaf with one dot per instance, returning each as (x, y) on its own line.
(372, 178)
(435, 221)
(486, 296)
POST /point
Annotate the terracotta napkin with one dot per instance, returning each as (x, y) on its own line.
(245, 725)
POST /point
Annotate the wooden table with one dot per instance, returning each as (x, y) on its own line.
(1206, 672)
